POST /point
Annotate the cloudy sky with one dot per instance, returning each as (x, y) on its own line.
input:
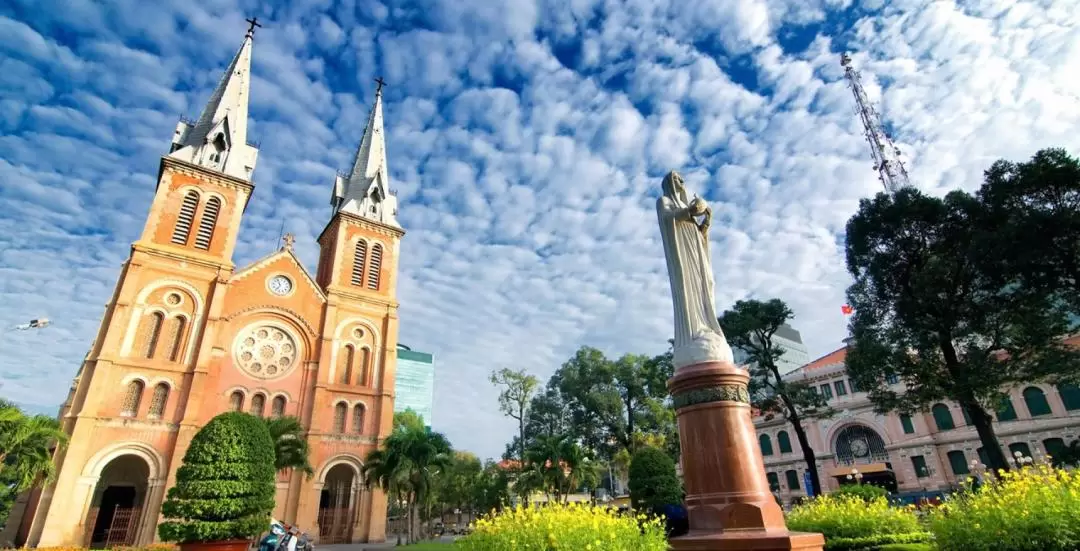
(527, 141)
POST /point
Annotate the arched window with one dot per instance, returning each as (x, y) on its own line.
(277, 408)
(185, 218)
(130, 406)
(152, 334)
(376, 265)
(907, 424)
(1070, 396)
(1055, 448)
(358, 419)
(958, 463)
(774, 481)
(258, 404)
(942, 417)
(1019, 447)
(359, 259)
(236, 401)
(365, 366)
(219, 149)
(158, 401)
(1006, 412)
(792, 477)
(340, 411)
(766, 444)
(207, 223)
(1035, 399)
(347, 364)
(176, 337)
(784, 441)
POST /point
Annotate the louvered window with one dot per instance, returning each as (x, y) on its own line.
(176, 336)
(130, 406)
(373, 269)
(277, 408)
(258, 404)
(158, 401)
(347, 365)
(185, 218)
(358, 419)
(340, 411)
(236, 401)
(153, 334)
(207, 223)
(358, 263)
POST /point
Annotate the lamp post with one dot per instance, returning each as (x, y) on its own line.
(855, 475)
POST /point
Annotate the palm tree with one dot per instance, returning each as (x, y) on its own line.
(290, 444)
(406, 467)
(26, 447)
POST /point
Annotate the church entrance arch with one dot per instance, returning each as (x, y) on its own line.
(118, 503)
(338, 504)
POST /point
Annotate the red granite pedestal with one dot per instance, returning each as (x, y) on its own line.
(727, 496)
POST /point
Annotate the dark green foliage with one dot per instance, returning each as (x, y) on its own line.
(938, 304)
(865, 492)
(881, 542)
(653, 481)
(225, 487)
(750, 326)
(290, 444)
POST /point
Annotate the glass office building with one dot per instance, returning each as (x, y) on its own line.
(795, 353)
(414, 383)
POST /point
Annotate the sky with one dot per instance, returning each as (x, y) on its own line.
(527, 140)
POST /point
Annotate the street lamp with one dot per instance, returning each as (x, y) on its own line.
(855, 475)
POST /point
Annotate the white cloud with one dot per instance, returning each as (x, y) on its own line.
(526, 184)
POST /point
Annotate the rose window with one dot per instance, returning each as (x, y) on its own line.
(266, 352)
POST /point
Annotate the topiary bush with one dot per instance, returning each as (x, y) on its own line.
(849, 522)
(653, 480)
(865, 492)
(1031, 508)
(573, 527)
(225, 488)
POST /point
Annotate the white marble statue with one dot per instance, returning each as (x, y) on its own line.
(698, 337)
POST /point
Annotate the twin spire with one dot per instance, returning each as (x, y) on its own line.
(218, 141)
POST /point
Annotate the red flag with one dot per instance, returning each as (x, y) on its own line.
(847, 310)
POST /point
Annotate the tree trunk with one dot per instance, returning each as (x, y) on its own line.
(630, 424)
(985, 427)
(521, 437)
(807, 451)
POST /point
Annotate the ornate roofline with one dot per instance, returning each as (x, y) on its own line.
(264, 307)
(268, 259)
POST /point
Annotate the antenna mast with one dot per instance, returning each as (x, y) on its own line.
(886, 155)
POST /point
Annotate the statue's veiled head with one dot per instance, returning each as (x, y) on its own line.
(673, 187)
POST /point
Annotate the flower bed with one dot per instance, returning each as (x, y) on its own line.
(1036, 508)
(576, 527)
(851, 522)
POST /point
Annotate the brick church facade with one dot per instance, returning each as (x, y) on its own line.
(187, 335)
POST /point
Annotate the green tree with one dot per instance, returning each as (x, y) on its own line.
(407, 465)
(290, 444)
(653, 480)
(1034, 209)
(457, 483)
(750, 326)
(27, 444)
(516, 391)
(225, 487)
(492, 491)
(936, 307)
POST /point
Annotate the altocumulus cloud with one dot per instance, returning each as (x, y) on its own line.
(527, 141)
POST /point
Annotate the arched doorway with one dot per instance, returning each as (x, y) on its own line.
(338, 504)
(118, 502)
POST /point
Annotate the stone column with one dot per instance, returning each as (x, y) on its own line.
(727, 495)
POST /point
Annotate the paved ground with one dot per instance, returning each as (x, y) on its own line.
(368, 546)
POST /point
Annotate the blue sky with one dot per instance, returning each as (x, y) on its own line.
(527, 140)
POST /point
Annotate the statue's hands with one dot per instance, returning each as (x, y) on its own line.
(698, 206)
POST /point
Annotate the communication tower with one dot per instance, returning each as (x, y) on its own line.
(886, 155)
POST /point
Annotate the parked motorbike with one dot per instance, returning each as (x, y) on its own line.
(304, 543)
(271, 541)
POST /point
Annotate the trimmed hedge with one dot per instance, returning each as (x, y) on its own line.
(653, 480)
(225, 487)
(880, 542)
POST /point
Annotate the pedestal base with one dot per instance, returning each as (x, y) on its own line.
(750, 540)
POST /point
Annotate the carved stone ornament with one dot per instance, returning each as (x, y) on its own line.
(704, 395)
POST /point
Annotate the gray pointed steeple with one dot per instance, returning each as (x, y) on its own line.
(365, 191)
(218, 140)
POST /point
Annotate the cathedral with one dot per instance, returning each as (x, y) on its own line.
(187, 335)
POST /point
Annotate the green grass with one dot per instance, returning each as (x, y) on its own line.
(427, 546)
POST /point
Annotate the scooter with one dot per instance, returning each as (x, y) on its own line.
(304, 543)
(271, 541)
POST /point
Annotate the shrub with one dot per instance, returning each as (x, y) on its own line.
(653, 481)
(225, 487)
(574, 527)
(850, 522)
(865, 492)
(1033, 508)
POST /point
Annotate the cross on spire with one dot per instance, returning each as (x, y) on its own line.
(381, 83)
(253, 22)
